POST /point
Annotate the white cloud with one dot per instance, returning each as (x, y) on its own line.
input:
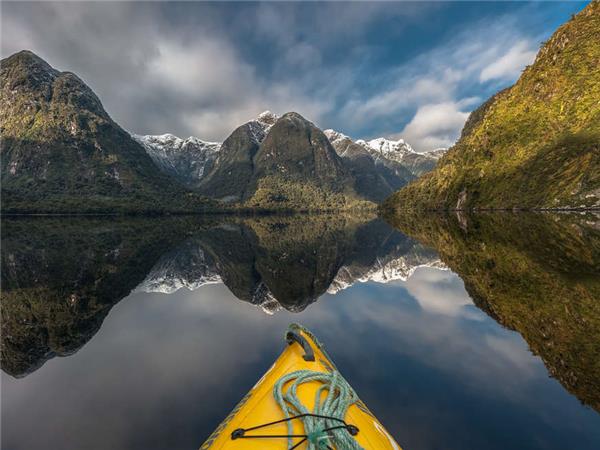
(184, 70)
(441, 292)
(205, 68)
(408, 91)
(218, 90)
(510, 65)
(156, 75)
(435, 125)
(431, 88)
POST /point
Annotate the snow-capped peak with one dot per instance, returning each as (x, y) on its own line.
(384, 271)
(387, 147)
(335, 136)
(170, 142)
(185, 159)
(185, 267)
(267, 118)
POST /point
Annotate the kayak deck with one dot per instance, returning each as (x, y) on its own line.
(259, 406)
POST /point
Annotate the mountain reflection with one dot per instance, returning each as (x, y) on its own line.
(534, 273)
(61, 277)
(276, 262)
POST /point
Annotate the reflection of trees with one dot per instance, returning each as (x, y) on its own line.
(61, 277)
(537, 274)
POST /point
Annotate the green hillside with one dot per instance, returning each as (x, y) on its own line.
(533, 145)
(61, 152)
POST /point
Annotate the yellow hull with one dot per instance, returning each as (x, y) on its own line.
(259, 406)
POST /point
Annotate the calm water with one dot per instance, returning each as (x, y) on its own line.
(457, 332)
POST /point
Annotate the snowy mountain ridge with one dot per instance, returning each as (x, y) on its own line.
(190, 160)
(390, 149)
(384, 271)
(186, 267)
(185, 159)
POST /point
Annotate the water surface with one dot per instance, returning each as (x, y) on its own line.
(457, 332)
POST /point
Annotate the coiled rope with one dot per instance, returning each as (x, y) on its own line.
(322, 424)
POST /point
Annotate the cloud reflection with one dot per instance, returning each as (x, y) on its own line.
(164, 370)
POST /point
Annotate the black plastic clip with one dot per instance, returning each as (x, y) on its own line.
(237, 433)
(353, 430)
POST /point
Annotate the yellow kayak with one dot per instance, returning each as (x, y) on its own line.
(301, 403)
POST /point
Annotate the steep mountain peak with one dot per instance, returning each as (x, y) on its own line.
(293, 140)
(26, 74)
(295, 118)
(295, 163)
(62, 152)
(32, 62)
(230, 174)
(338, 140)
(267, 118)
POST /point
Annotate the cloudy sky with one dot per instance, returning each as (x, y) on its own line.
(411, 70)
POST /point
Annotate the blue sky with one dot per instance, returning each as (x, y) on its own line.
(396, 69)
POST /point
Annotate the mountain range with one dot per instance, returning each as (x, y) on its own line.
(535, 145)
(379, 167)
(186, 160)
(61, 152)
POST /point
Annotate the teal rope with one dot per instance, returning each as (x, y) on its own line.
(340, 396)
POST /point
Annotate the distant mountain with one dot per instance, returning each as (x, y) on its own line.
(297, 166)
(402, 153)
(387, 148)
(533, 145)
(375, 177)
(377, 168)
(61, 152)
(230, 174)
(394, 161)
(190, 160)
(186, 160)
(280, 163)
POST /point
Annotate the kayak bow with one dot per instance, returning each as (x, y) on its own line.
(302, 403)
